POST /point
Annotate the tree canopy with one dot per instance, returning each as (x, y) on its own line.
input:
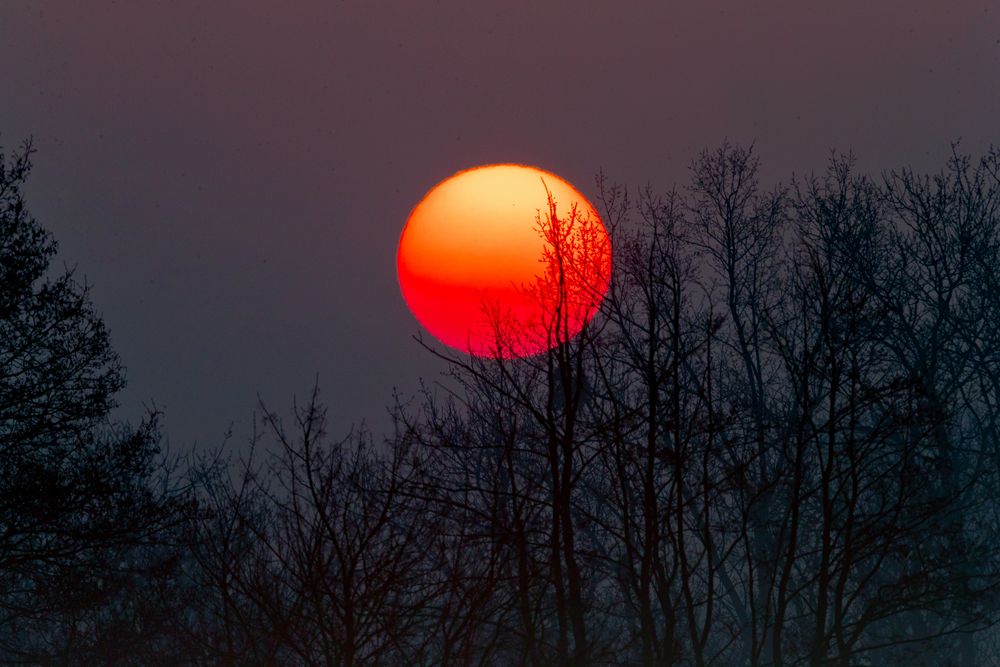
(78, 492)
(775, 445)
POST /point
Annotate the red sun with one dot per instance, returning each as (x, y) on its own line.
(504, 260)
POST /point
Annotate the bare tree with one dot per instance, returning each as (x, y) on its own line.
(774, 445)
(313, 556)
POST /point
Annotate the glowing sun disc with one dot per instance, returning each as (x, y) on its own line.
(490, 269)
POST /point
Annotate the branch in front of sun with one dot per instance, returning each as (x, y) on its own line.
(573, 280)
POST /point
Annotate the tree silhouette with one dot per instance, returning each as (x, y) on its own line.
(775, 445)
(77, 493)
(316, 555)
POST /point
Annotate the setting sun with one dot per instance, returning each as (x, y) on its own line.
(504, 260)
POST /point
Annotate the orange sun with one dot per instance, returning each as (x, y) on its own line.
(504, 261)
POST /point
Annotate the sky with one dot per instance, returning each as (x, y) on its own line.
(232, 177)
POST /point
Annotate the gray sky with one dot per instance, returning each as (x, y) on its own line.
(232, 177)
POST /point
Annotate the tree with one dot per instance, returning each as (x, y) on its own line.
(77, 492)
(776, 445)
(316, 554)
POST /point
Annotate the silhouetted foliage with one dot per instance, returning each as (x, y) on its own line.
(79, 495)
(776, 445)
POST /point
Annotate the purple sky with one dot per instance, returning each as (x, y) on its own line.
(232, 177)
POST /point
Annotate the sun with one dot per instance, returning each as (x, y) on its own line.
(504, 260)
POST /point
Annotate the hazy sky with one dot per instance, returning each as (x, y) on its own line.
(232, 177)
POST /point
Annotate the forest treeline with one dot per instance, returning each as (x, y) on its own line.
(775, 445)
